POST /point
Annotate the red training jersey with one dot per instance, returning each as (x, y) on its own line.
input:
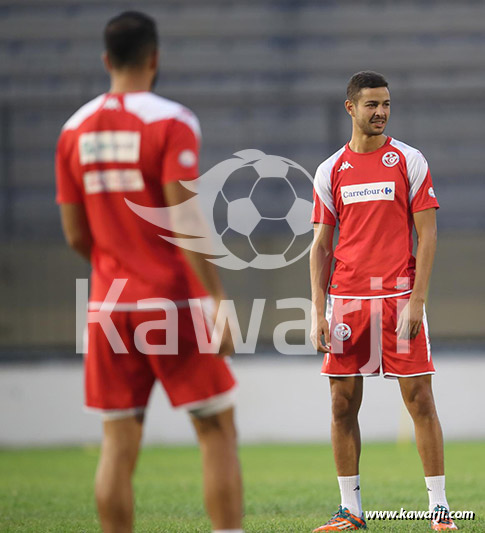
(373, 196)
(127, 146)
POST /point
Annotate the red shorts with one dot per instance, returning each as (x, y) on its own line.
(119, 384)
(364, 341)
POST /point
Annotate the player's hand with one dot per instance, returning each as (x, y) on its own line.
(410, 320)
(226, 346)
(320, 329)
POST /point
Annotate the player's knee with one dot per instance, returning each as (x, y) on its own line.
(106, 494)
(420, 402)
(122, 454)
(113, 509)
(127, 456)
(103, 493)
(344, 408)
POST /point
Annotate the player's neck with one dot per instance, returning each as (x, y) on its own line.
(129, 82)
(362, 144)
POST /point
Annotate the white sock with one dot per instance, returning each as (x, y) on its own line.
(436, 491)
(350, 493)
(227, 531)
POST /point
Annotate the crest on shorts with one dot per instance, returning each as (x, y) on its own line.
(342, 331)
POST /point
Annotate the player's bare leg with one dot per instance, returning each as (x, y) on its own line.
(418, 397)
(346, 400)
(114, 491)
(221, 470)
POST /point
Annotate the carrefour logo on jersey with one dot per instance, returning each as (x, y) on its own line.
(368, 192)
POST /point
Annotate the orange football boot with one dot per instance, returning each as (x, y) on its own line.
(343, 520)
(443, 520)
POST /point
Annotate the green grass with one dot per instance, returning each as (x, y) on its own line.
(288, 488)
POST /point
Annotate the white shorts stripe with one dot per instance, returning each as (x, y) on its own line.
(347, 375)
(157, 304)
(212, 406)
(388, 375)
(426, 332)
(345, 297)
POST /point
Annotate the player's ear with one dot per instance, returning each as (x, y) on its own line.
(106, 61)
(349, 107)
(154, 58)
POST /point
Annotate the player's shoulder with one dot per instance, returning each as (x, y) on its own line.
(151, 108)
(83, 113)
(412, 155)
(325, 168)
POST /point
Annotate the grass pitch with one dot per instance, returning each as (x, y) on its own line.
(288, 488)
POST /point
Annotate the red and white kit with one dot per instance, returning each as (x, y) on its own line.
(127, 146)
(373, 197)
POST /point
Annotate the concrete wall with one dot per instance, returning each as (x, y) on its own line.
(280, 399)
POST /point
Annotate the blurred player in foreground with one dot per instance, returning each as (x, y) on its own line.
(131, 144)
(377, 188)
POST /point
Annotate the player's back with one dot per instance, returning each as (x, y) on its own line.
(127, 146)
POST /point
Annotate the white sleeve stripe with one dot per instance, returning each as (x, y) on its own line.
(416, 164)
(323, 182)
(150, 108)
(83, 113)
(325, 198)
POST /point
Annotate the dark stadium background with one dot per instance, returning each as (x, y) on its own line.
(269, 75)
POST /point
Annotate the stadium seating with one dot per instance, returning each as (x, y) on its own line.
(269, 75)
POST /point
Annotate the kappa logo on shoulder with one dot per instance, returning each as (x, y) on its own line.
(344, 166)
(113, 104)
(390, 159)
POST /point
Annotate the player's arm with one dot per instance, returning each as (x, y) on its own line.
(411, 318)
(69, 196)
(321, 256)
(175, 193)
(76, 229)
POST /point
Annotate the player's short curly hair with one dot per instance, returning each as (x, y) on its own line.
(129, 38)
(366, 79)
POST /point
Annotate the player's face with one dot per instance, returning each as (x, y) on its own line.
(371, 110)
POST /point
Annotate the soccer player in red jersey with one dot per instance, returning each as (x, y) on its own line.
(373, 319)
(130, 144)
